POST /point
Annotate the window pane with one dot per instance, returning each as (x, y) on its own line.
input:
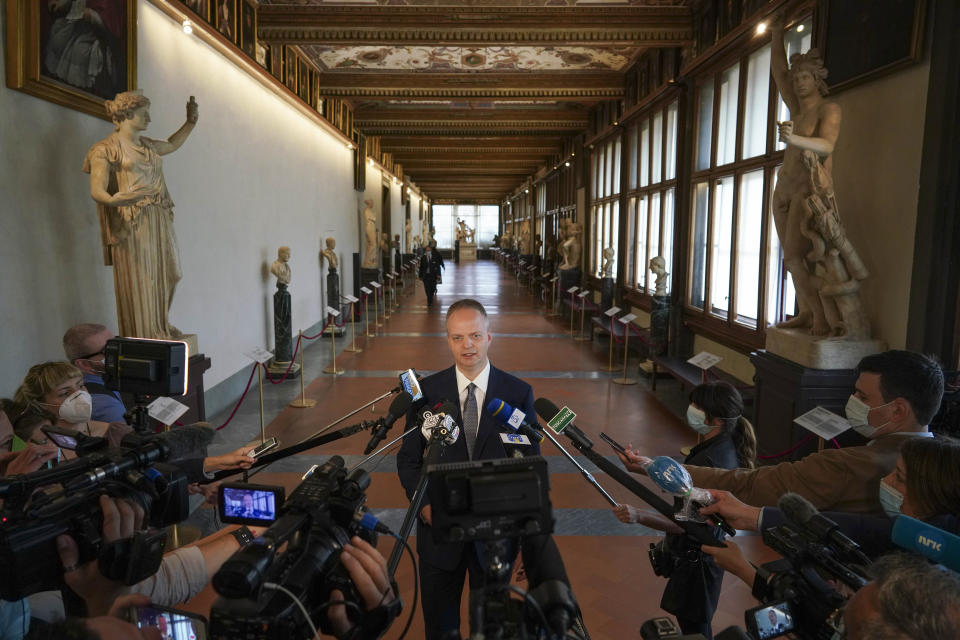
(632, 137)
(444, 222)
(670, 170)
(614, 235)
(748, 247)
(654, 241)
(667, 230)
(616, 166)
(487, 225)
(641, 246)
(704, 125)
(645, 153)
(796, 40)
(727, 117)
(609, 169)
(698, 248)
(595, 211)
(656, 137)
(720, 251)
(631, 242)
(755, 109)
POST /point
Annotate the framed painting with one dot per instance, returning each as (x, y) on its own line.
(866, 38)
(225, 19)
(303, 75)
(276, 61)
(199, 7)
(290, 68)
(75, 58)
(263, 56)
(248, 28)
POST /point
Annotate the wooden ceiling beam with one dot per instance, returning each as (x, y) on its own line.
(475, 26)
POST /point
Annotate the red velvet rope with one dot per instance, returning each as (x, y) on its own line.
(790, 450)
(240, 401)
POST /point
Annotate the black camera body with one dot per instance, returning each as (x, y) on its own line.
(316, 521)
(34, 514)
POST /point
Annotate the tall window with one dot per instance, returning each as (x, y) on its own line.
(605, 203)
(736, 275)
(484, 218)
(650, 199)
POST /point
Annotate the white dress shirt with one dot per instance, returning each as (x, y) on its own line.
(480, 393)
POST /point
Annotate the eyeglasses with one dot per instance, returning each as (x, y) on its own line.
(91, 355)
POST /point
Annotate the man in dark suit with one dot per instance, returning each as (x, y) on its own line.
(469, 385)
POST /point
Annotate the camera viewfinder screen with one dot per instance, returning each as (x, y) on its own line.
(773, 621)
(251, 504)
(172, 626)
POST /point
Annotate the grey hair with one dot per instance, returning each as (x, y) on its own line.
(75, 339)
(915, 599)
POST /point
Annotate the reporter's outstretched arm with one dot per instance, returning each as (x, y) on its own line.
(737, 514)
(730, 558)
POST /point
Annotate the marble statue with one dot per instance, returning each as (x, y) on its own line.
(330, 254)
(281, 267)
(607, 268)
(537, 244)
(469, 234)
(396, 241)
(384, 241)
(658, 266)
(461, 229)
(825, 268)
(136, 215)
(369, 236)
(408, 229)
(570, 249)
(282, 322)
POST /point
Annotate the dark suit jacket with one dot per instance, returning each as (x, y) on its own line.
(443, 386)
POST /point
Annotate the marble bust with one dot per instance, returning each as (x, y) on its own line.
(281, 267)
(658, 266)
(607, 268)
(330, 254)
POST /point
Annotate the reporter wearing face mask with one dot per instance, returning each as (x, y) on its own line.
(58, 388)
(896, 395)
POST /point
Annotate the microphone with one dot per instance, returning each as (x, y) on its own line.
(927, 540)
(800, 511)
(672, 477)
(548, 411)
(399, 407)
(514, 418)
(440, 430)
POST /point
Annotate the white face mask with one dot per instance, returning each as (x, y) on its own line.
(697, 419)
(891, 500)
(77, 408)
(858, 415)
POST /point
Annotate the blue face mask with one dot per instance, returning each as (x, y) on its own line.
(890, 499)
(697, 419)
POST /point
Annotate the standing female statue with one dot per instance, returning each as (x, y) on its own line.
(136, 215)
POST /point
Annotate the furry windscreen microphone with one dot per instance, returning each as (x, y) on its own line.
(431, 419)
(184, 442)
(796, 508)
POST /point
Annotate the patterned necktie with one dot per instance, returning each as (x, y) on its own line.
(470, 421)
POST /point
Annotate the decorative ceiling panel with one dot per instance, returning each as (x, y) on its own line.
(447, 59)
(480, 3)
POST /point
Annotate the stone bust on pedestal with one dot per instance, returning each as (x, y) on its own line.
(330, 254)
(281, 267)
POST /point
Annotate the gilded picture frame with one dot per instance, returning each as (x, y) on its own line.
(47, 51)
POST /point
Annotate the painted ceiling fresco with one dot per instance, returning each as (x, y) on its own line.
(451, 59)
(482, 3)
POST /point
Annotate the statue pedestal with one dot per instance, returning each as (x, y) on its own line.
(276, 369)
(606, 293)
(568, 278)
(282, 334)
(815, 352)
(659, 324)
(468, 252)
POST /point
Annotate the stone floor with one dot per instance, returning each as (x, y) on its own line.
(606, 560)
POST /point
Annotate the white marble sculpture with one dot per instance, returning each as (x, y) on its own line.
(136, 215)
(330, 254)
(281, 266)
(570, 249)
(658, 266)
(408, 229)
(825, 268)
(369, 236)
(607, 267)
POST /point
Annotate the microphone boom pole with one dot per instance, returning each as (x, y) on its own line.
(586, 474)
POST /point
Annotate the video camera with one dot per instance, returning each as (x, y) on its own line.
(500, 502)
(316, 521)
(34, 513)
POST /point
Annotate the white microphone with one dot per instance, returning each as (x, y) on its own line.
(433, 419)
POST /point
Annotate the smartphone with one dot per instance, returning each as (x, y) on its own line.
(265, 446)
(410, 384)
(63, 438)
(613, 443)
(242, 503)
(769, 620)
(172, 623)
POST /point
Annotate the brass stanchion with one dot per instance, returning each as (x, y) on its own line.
(332, 369)
(263, 435)
(304, 402)
(385, 303)
(353, 348)
(376, 305)
(625, 321)
(583, 310)
(610, 313)
(554, 285)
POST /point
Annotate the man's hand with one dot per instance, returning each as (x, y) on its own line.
(633, 461)
(120, 520)
(425, 515)
(210, 491)
(239, 459)
(631, 515)
(730, 558)
(29, 459)
(368, 572)
(737, 514)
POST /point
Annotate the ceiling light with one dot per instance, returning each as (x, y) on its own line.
(350, 146)
(616, 122)
(761, 28)
(187, 27)
(800, 28)
(566, 164)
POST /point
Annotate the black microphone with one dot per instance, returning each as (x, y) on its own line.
(399, 407)
(548, 411)
(183, 442)
(514, 418)
(800, 511)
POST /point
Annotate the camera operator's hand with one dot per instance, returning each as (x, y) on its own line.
(115, 624)
(730, 558)
(633, 461)
(120, 520)
(737, 514)
(368, 571)
(27, 460)
(631, 515)
(210, 491)
(239, 459)
(425, 515)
